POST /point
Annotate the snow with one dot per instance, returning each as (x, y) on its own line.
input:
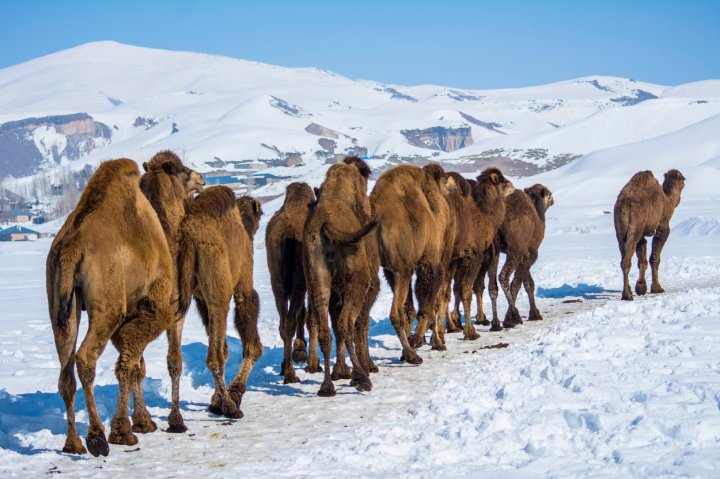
(600, 388)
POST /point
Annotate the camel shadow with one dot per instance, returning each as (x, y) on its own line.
(582, 290)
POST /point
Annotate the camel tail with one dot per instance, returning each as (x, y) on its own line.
(622, 224)
(352, 239)
(62, 264)
(187, 256)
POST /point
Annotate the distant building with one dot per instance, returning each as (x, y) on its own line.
(20, 233)
(262, 179)
(15, 215)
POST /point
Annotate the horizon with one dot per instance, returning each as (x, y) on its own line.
(489, 46)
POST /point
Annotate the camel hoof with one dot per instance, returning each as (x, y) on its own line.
(143, 427)
(74, 446)
(439, 347)
(535, 316)
(342, 372)
(122, 438)
(97, 444)
(484, 322)
(313, 369)
(291, 379)
(373, 368)
(495, 327)
(472, 336)
(176, 424)
(627, 295)
(508, 324)
(453, 329)
(231, 411)
(641, 288)
(412, 359)
(362, 384)
(176, 428)
(215, 408)
(656, 289)
(299, 356)
(417, 341)
(326, 390)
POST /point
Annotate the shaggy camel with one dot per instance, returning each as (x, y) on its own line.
(644, 208)
(215, 263)
(341, 260)
(283, 244)
(414, 216)
(111, 259)
(480, 213)
(169, 185)
(519, 238)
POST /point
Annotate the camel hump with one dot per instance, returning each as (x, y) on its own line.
(358, 163)
(215, 201)
(298, 192)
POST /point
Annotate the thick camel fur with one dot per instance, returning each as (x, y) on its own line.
(414, 219)
(111, 259)
(479, 216)
(283, 244)
(169, 186)
(519, 238)
(341, 269)
(644, 208)
(215, 264)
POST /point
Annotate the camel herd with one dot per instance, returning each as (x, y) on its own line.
(137, 249)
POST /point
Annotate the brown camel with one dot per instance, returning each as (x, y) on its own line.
(414, 216)
(480, 213)
(644, 208)
(283, 245)
(250, 213)
(169, 186)
(215, 263)
(111, 259)
(341, 260)
(519, 238)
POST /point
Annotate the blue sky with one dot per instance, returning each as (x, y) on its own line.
(466, 44)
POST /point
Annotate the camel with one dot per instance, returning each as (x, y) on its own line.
(341, 261)
(169, 186)
(215, 263)
(644, 208)
(110, 258)
(414, 218)
(480, 212)
(283, 244)
(519, 238)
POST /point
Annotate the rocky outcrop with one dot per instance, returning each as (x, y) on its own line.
(28, 145)
(440, 138)
(319, 130)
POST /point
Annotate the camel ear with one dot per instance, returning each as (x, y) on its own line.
(170, 168)
(145, 166)
(494, 178)
(257, 210)
(317, 192)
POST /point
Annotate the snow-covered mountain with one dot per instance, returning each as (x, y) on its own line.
(237, 116)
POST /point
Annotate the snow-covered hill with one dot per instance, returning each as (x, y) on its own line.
(226, 114)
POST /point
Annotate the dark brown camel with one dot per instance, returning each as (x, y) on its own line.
(480, 213)
(644, 208)
(111, 259)
(215, 264)
(519, 238)
(341, 260)
(414, 219)
(169, 186)
(283, 245)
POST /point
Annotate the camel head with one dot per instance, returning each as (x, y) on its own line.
(673, 184)
(446, 183)
(541, 197)
(492, 177)
(463, 186)
(191, 181)
(250, 212)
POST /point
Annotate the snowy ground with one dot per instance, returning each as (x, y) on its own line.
(599, 388)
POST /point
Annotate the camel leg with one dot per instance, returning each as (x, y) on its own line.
(141, 420)
(400, 284)
(98, 335)
(512, 315)
(479, 288)
(658, 242)
(341, 370)
(626, 252)
(218, 306)
(176, 424)
(351, 308)
(313, 361)
(494, 291)
(410, 313)
(299, 353)
(287, 331)
(529, 285)
(152, 317)
(65, 343)
(470, 272)
(247, 308)
(362, 328)
(641, 251)
(454, 324)
(427, 285)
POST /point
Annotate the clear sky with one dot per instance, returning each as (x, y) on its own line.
(466, 44)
